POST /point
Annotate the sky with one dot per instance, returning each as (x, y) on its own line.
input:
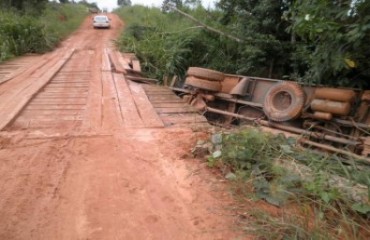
(110, 4)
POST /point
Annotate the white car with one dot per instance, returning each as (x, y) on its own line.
(101, 21)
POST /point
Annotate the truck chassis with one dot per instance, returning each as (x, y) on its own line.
(335, 119)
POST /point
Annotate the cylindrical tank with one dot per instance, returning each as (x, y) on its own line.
(341, 95)
(322, 115)
(334, 107)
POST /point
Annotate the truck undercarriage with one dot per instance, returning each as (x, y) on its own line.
(334, 119)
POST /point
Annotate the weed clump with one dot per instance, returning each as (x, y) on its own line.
(320, 195)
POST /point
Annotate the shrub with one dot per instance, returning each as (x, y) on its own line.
(167, 43)
(60, 20)
(322, 188)
(21, 34)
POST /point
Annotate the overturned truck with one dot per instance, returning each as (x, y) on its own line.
(334, 119)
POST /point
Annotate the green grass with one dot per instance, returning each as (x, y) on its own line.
(155, 38)
(168, 43)
(21, 34)
(300, 182)
(60, 20)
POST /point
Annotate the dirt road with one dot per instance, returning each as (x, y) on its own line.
(80, 160)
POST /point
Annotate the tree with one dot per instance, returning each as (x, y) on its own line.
(333, 35)
(124, 3)
(24, 5)
(92, 5)
(175, 3)
(193, 3)
(266, 51)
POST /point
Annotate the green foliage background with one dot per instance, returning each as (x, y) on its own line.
(167, 44)
(314, 42)
(37, 30)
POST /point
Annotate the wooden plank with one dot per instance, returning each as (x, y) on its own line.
(40, 124)
(164, 92)
(117, 66)
(176, 110)
(82, 77)
(50, 118)
(47, 62)
(128, 56)
(72, 84)
(67, 86)
(93, 111)
(80, 81)
(70, 71)
(165, 100)
(61, 90)
(106, 64)
(169, 105)
(183, 118)
(128, 108)
(141, 79)
(64, 101)
(125, 63)
(55, 107)
(64, 81)
(17, 70)
(61, 94)
(154, 88)
(157, 91)
(25, 94)
(194, 126)
(72, 79)
(146, 110)
(31, 112)
(136, 65)
(111, 117)
(67, 74)
(166, 97)
(51, 97)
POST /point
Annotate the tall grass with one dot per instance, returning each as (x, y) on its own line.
(167, 43)
(60, 20)
(21, 34)
(155, 38)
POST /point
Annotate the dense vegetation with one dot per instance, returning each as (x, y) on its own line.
(319, 42)
(167, 43)
(324, 202)
(36, 26)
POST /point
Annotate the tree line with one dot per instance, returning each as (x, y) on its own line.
(37, 6)
(22, 5)
(315, 42)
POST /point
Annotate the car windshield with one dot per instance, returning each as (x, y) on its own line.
(101, 18)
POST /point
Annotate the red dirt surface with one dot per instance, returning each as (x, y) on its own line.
(74, 166)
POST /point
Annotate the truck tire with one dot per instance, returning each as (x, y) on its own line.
(203, 84)
(284, 101)
(204, 73)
